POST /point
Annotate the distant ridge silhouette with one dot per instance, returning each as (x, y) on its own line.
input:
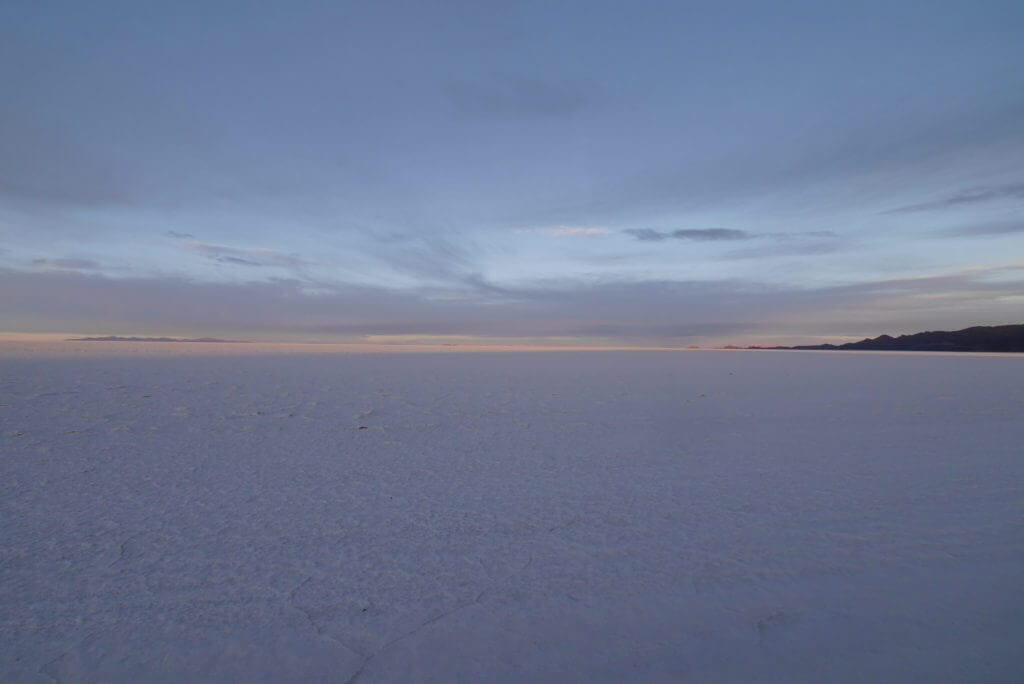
(999, 338)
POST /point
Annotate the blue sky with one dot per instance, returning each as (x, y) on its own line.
(629, 173)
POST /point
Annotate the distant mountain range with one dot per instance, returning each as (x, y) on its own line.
(115, 338)
(999, 338)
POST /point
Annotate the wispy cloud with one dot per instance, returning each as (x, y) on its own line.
(244, 256)
(989, 193)
(808, 243)
(696, 235)
(67, 264)
(995, 229)
(179, 236)
(427, 257)
(760, 244)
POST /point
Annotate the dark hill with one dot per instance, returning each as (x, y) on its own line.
(1000, 338)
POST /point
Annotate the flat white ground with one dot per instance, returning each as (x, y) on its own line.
(531, 517)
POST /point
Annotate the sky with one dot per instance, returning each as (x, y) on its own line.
(642, 173)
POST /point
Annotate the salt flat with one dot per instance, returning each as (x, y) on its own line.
(512, 517)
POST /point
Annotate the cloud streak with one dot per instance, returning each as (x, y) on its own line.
(783, 244)
(993, 193)
(67, 264)
(695, 235)
(998, 229)
(244, 256)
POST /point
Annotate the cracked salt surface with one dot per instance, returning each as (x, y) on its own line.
(614, 516)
